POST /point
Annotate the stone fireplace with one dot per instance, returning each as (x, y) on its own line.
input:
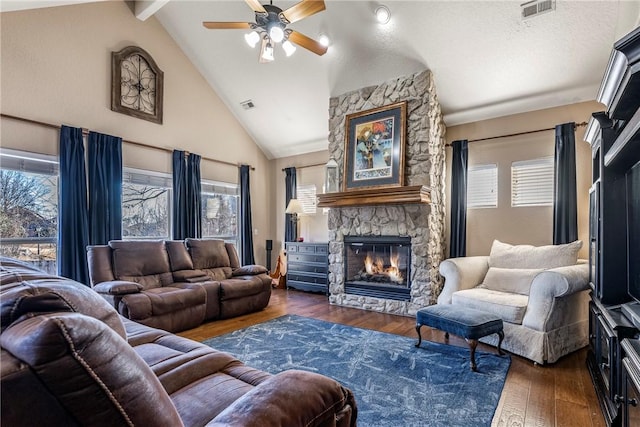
(417, 227)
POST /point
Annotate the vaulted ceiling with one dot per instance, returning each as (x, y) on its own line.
(487, 61)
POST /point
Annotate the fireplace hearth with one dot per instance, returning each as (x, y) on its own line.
(378, 266)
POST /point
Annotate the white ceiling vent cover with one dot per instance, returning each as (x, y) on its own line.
(537, 7)
(248, 104)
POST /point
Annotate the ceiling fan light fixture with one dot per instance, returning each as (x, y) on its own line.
(324, 40)
(252, 38)
(383, 14)
(276, 33)
(267, 52)
(288, 47)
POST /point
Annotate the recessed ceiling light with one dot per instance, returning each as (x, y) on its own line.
(383, 14)
(323, 40)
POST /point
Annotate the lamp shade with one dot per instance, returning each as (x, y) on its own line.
(294, 207)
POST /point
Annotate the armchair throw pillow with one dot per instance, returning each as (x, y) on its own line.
(504, 255)
(512, 280)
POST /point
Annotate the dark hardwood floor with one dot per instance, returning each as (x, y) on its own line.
(560, 394)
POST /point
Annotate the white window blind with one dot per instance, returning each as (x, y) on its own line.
(482, 186)
(532, 182)
(306, 195)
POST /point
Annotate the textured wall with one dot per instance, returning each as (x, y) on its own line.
(424, 165)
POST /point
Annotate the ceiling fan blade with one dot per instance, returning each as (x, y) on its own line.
(307, 43)
(303, 9)
(227, 25)
(256, 6)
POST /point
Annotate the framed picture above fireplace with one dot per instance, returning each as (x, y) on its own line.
(374, 148)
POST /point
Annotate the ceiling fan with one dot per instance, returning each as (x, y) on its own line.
(271, 27)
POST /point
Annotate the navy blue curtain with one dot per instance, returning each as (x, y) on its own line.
(73, 227)
(565, 205)
(180, 230)
(290, 226)
(458, 229)
(105, 188)
(194, 197)
(246, 227)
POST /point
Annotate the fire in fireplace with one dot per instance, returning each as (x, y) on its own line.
(378, 266)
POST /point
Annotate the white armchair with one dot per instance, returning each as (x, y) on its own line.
(545, 310)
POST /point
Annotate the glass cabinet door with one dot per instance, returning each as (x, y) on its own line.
(605, 354)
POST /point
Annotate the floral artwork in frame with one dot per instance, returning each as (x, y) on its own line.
(374, 148)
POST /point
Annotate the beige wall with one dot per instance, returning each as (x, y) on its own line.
(56, 68)
(521, 225)
(312, 227)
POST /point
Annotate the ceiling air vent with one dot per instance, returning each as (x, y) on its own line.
(537, 7)
(248, 104)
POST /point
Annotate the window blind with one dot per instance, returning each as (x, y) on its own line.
(306, 195)
(482, 186)
(532, 182)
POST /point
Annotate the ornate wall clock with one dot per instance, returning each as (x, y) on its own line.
(136, 84)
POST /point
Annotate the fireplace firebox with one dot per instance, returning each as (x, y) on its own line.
(378, 266)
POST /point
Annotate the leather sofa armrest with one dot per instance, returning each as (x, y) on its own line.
(461, 273)
(118, 287)
(319, 400)
(549, 285)
(250, 270)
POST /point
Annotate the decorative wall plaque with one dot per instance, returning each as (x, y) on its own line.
(136, 84)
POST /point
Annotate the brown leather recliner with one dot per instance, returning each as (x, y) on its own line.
(177, 285)
(68, 359)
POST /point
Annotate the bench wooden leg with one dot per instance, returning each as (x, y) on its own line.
(501, 335)
(419, 336)
(472, 345)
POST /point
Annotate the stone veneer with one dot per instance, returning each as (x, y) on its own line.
(424, 165)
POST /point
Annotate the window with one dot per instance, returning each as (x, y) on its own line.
(29, 208)
(220, 207)
(482, 186)
(306, 195)
(532, 182)
(146, 204)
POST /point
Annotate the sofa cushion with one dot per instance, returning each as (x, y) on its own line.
(144, 262)
(509, 307)
(54, 295)
(504, 255)
(233, 255)
(239, 288)
(514, 280)
(158, 301)
(179, 258)
(208, 253)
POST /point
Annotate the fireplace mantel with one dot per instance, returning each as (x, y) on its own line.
(384, 196)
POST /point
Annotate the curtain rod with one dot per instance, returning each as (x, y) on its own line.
(519, 133)
(139, 144)
(306, 166)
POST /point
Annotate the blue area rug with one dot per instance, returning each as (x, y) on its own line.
(395, 383)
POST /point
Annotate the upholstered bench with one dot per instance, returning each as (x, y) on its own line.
(461, 321)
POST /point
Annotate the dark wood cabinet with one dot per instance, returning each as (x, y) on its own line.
(631, 383)
(614, 135)
(308, 266)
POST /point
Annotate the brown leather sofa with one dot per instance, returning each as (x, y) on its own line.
(68, 359)
(177, 285)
